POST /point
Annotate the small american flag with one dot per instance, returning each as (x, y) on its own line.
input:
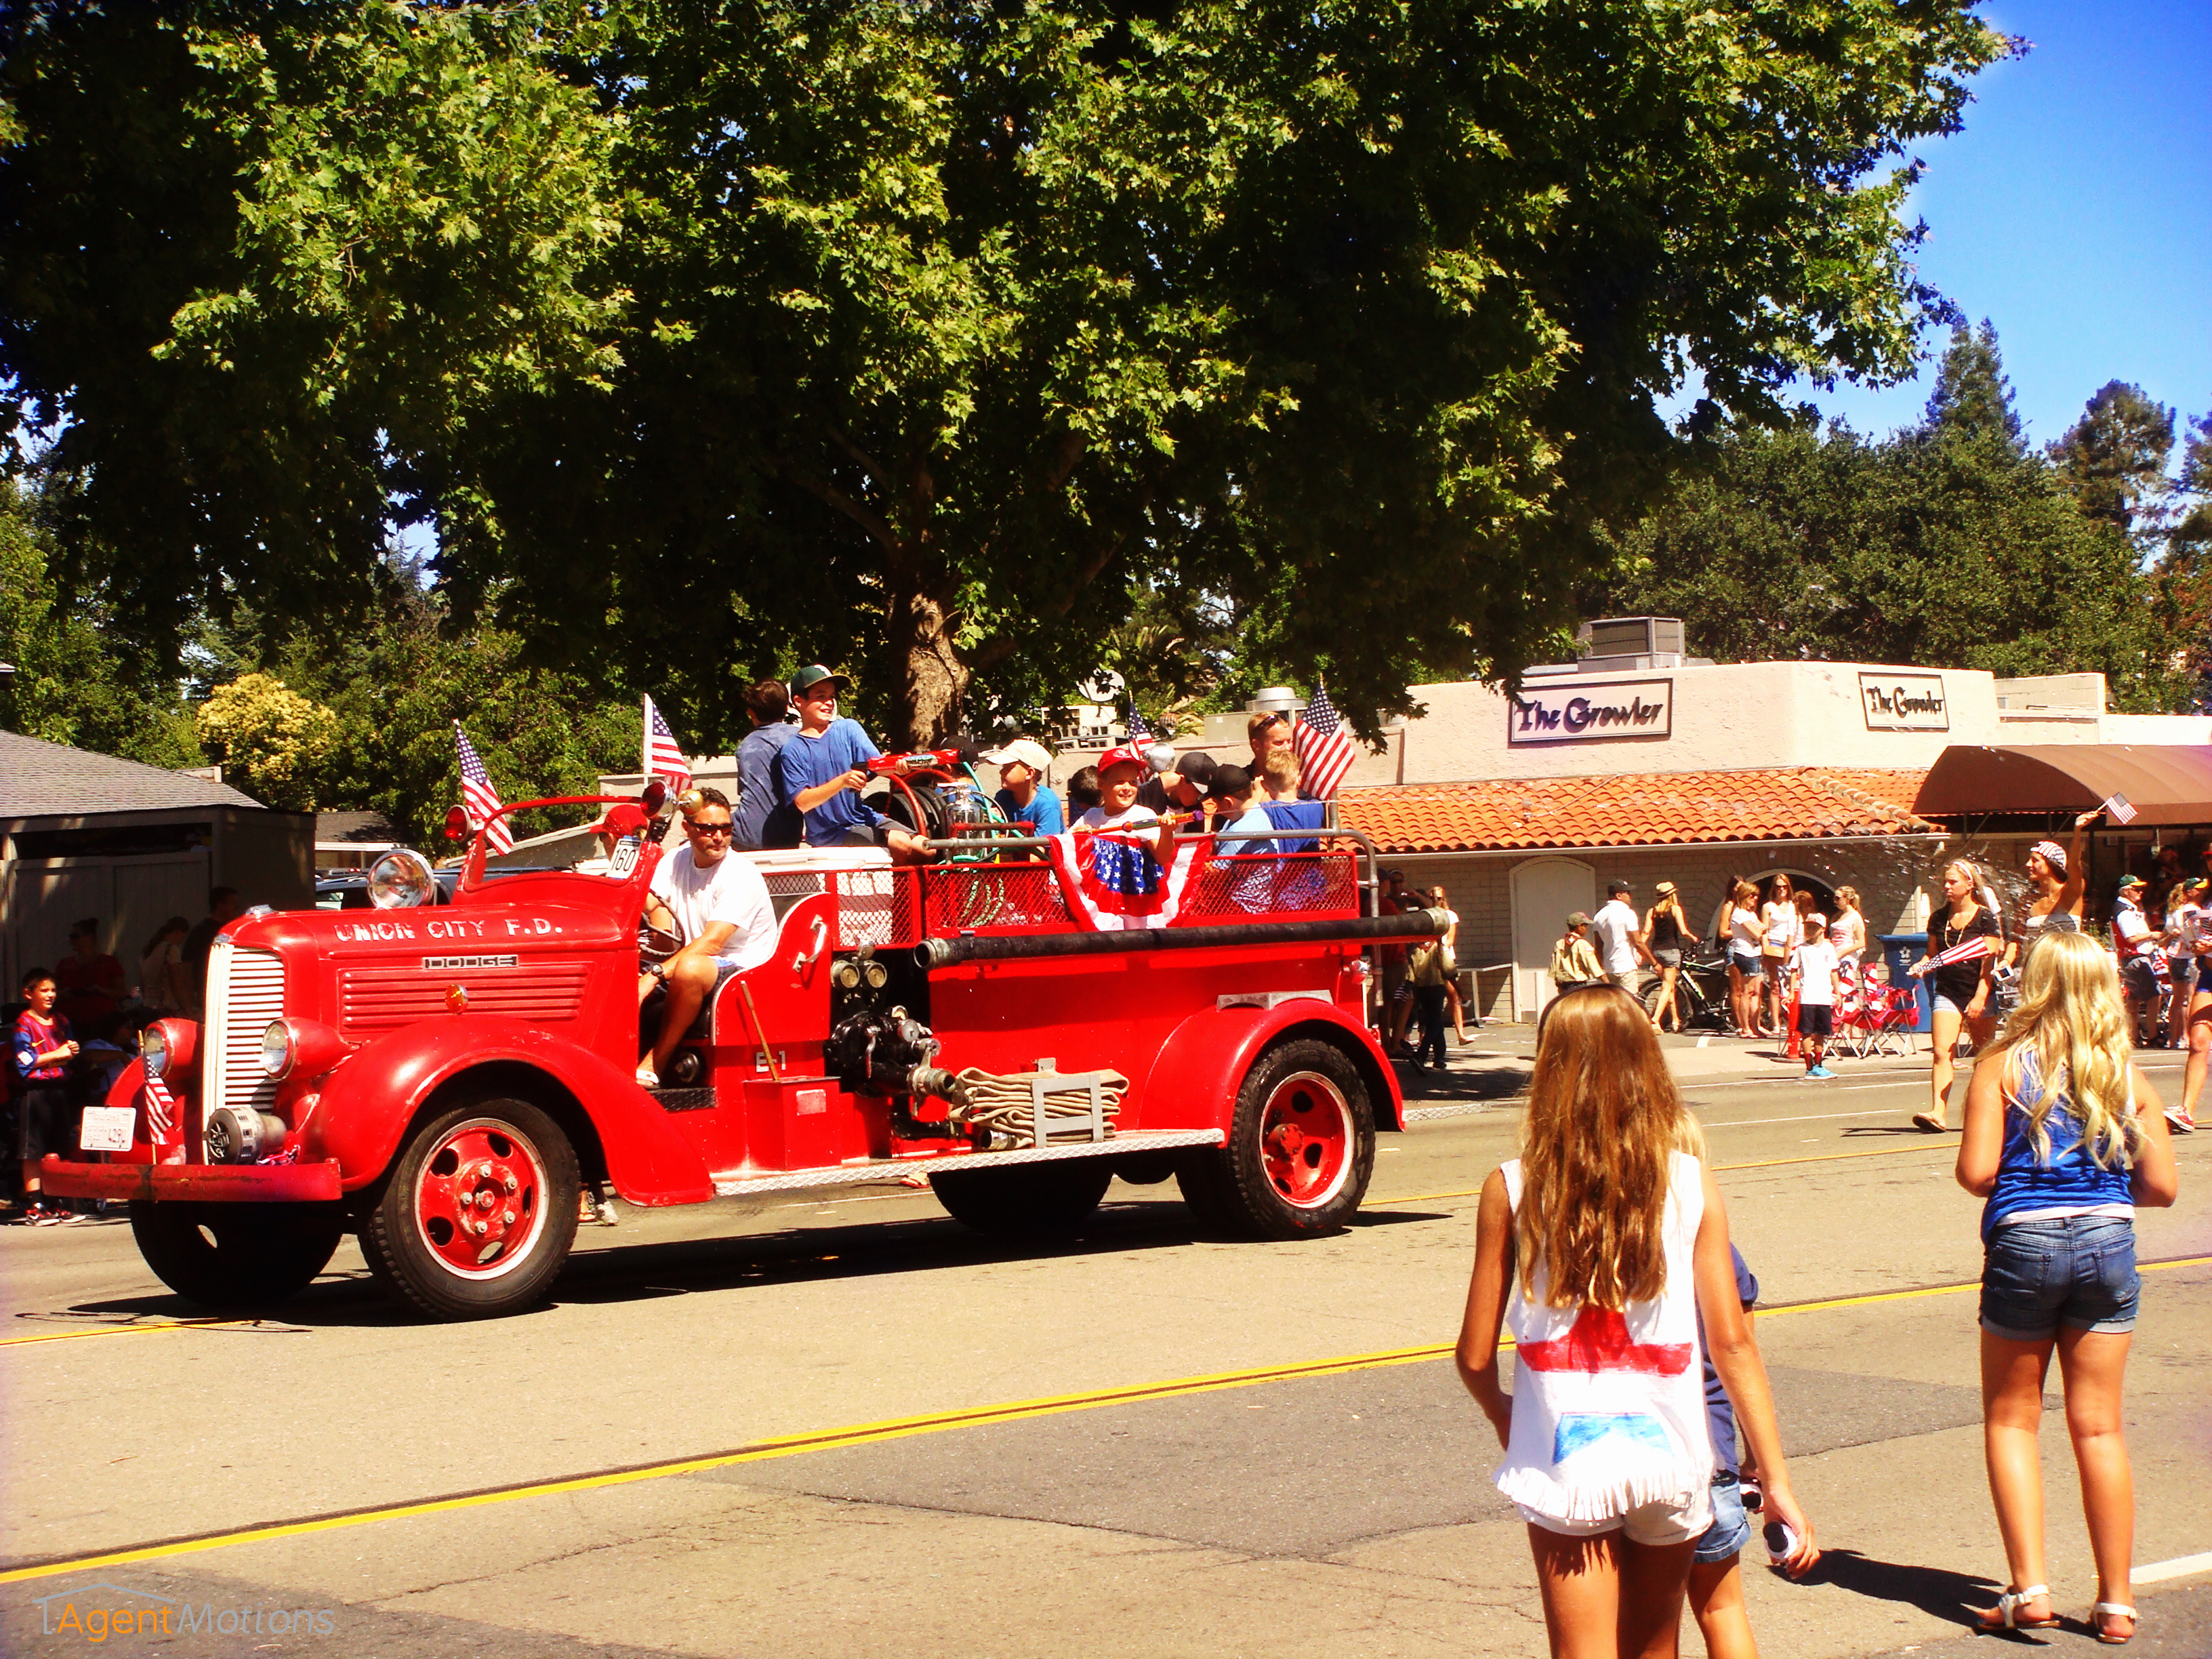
(2117, 806)
(478, 799)
(1972, 950)
(664, 756)
(161, 1111)
(1138, 732)
(1322, 746)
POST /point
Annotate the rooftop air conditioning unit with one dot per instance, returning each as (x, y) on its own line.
(1630, 636)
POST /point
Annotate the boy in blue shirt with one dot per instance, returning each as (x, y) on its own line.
(826, 768)
(1025, 800)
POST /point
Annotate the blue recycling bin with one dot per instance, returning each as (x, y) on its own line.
(1900, 951)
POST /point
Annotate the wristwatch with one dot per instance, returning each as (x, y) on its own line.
(659, 971)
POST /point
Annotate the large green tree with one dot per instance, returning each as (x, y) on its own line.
(921, 338)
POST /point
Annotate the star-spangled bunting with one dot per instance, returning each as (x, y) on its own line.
(479, 800)
(664, 756)
(1322, 746)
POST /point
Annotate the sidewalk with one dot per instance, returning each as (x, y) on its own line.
(1495, 1064)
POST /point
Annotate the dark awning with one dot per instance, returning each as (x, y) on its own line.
(2166, 783)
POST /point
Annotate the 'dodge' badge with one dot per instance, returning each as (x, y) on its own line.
(457, 997)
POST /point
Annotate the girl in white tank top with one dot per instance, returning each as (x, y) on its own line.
(1608, 1450)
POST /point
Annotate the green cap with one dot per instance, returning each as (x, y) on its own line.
(812, 675)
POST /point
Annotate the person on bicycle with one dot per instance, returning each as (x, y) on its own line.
(826, 768)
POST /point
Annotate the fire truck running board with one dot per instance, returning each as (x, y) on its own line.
(735, 1185)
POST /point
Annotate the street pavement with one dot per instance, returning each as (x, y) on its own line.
(842, 1426)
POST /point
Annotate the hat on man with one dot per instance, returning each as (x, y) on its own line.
(1578, 919)
(1195, 767)
(1025, 751)
(2127, 881)
(812, 675)
(1124, 755)
(621, 820)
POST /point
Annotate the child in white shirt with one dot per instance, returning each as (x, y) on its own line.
(1120, 772)
(1814, 962)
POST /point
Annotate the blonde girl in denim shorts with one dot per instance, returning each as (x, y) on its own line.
(2064, 1136)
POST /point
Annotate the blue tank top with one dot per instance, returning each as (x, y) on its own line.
(2071, 1181)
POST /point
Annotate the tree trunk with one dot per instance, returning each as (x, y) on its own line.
(932, 678)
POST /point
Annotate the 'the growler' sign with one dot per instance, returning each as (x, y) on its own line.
(1577, 711)
(1905, 702)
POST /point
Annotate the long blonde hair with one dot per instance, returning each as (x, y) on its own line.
(2072, 1023)
(1603, 1118)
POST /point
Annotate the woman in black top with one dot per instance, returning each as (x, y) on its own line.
(1961, 988)
(1665, 927)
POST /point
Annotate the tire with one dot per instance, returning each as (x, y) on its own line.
(1301, 1147)
(1033, 1201)
(416, 1233)
(236, 1255)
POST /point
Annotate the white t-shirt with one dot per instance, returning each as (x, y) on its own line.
(1612, 926)
(1136, 817)
(730, 890)
(1743, 930)
(1816, 973)
(1783, 928)
(2132, 931)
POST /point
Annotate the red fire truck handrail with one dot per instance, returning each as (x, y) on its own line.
(1004, 947)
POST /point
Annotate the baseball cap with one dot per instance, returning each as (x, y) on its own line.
(1026, 750)
(1122, 755)
(812, 675)
(2127, 881)
(1579, 919)
(1224, 781)
(622, 820)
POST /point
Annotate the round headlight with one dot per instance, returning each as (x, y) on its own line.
(276, 1050)
(154, 1049)
(401, 880)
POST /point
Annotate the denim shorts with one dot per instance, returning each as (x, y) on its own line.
(2076, 1270)
(1747, 963)
(1731, 1529)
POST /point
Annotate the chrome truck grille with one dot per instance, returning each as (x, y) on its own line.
(244, 992)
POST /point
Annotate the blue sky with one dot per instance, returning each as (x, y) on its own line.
(2074, 212)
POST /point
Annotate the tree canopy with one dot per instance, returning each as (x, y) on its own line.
(1949, 544)
(927, 340)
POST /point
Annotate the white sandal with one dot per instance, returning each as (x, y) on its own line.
(2009, 1603)
(2104, 1610)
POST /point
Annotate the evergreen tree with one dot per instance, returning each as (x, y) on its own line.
(2113, 458)
(1972, 393)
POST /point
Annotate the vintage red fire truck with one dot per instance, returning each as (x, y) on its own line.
(444, 1080)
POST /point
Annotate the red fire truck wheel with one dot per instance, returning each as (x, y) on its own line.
(1300, 1151)
(235, 1256)
(1024, 1200)
(478, 1212)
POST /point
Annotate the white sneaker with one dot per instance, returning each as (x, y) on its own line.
(2180, 1122)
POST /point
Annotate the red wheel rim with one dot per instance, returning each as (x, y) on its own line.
(1305, 1141)
(479, 1200)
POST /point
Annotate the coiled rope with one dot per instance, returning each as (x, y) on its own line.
(1005, 1104)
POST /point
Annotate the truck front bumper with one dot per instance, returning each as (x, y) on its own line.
(196, 1184)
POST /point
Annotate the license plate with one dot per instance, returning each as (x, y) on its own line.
(106, 1128)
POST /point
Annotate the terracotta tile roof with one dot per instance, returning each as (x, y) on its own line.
(1636, 809)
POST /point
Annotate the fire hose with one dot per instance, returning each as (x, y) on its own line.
(1007, 1104)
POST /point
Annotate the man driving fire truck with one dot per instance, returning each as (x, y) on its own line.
(718, 906)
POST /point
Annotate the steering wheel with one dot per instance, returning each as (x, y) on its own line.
(653, 945)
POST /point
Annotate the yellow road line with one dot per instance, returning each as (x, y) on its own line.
(863, 1434)
(123, 1330)
(1756, 1164)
